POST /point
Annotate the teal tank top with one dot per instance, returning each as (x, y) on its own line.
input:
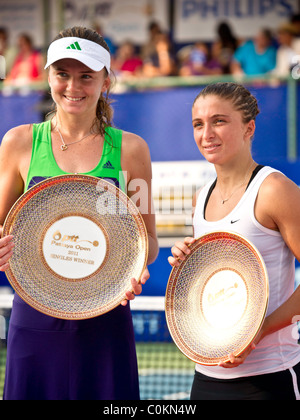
(43, 164)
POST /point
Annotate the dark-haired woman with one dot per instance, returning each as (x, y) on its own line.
(263, 205)
(49, 358)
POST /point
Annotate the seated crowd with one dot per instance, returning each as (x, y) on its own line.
(268, 53)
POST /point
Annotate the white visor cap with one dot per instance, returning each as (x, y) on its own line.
(87, 52)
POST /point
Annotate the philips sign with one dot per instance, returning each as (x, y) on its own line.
(236, 8)
(197, 19)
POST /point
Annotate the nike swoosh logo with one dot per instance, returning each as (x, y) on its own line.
(235, 221)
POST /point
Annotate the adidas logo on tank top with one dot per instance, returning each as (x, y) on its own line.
(108, 165)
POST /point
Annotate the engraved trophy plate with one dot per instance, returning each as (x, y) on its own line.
(78, 242)
(217, 298)
(72, 256)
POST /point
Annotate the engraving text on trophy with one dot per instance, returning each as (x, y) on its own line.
(74, 247)
(222, 295)
(57, 236)
(224, 298)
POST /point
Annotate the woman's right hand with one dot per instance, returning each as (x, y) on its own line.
(6, 251)
(180, 250)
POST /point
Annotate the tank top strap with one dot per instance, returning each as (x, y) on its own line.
(41, 165)
(202, 200)
(251, 192)
(109, 166)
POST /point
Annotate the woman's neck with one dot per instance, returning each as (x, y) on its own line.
(234, 174)
(73, 125)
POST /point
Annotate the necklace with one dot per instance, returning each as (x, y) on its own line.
(224, 200)
(64, 146)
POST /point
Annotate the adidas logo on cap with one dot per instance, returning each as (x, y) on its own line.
(74, 46)
(87, 52)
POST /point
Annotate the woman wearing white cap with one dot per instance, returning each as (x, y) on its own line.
(50, 358)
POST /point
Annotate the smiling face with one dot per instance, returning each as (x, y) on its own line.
(75, 88)
(219, 130)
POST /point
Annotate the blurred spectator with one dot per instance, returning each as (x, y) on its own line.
(288, 53)
(225, 46)
(148, 49)
(127, 63)
(255, 57)
(295, 21)
(199, 62)
(110, 44)
(162, 62)
(7, 51)
(28, 66)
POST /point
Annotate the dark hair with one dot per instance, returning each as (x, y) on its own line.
(27, 38)
(226, 36)
(104, 111)
(267, 33)
(241, 98)
(4, 32)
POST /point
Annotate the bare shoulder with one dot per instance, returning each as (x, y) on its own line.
(277, 186)
(278, 201)
(15, 151)
(134, 143)
(135, 160)
(18, 138)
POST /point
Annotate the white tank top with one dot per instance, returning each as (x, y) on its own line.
(280, 350)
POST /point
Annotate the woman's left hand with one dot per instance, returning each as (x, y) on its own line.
(239, 360)
(136, 287)
(235, 361)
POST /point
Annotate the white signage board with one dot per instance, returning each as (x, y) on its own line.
(119, 20)
(23, 16)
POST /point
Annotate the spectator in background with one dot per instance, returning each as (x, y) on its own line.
(7, 51)
(289, 49)
(225, 46)
(295, 21)
(162, 62)
(255, 57)
(28, 66)
(127, 63)
(109, 42)
(149, 47)
(199, 62)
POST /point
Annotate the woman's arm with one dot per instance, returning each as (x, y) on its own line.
(14, 159)
(136, 165)
(278, 208)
